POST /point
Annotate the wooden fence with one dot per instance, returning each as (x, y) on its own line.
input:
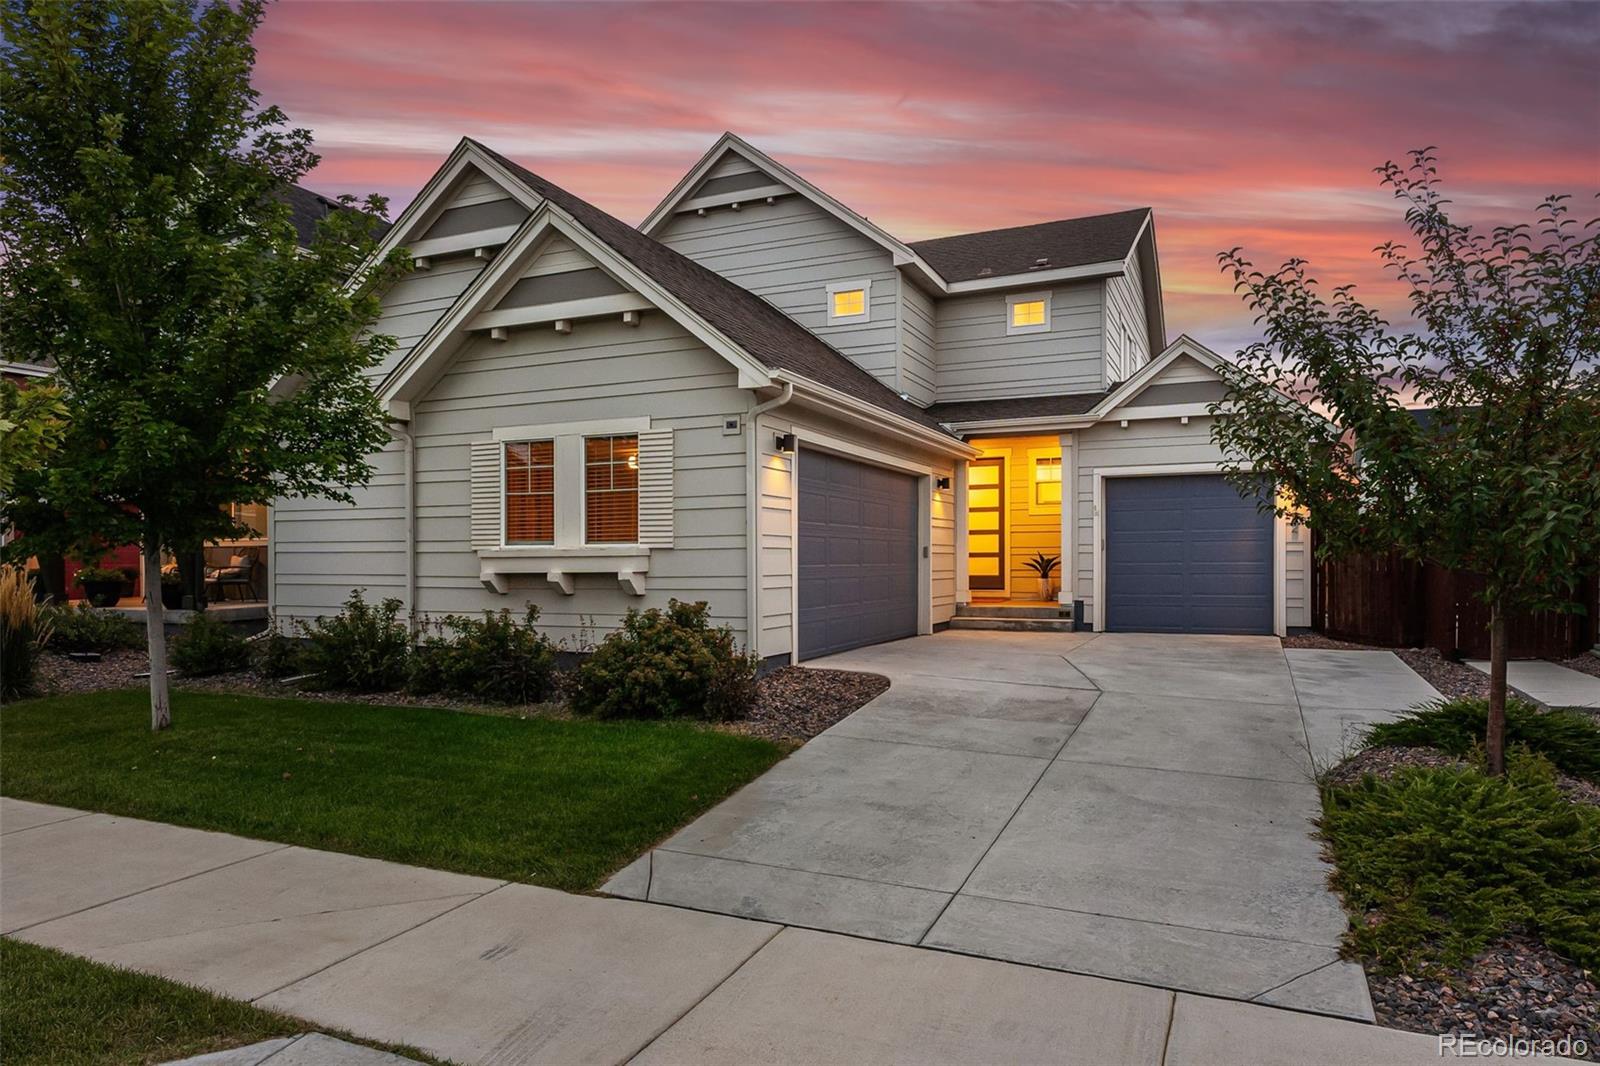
(1394, 602)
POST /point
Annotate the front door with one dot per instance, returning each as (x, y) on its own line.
(986, 527)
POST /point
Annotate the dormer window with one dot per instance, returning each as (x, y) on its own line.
(1028, 313)
(849, 301)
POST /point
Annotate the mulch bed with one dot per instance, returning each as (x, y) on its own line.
(1384, 763)
(794, 703)
(798, 702)
(1516, 988)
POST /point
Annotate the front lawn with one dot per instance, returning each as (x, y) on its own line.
(57, 1009)
(546, 801)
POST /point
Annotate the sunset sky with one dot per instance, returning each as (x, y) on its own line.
(1240, 124)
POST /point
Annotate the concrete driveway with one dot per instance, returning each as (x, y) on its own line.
(1124, 805)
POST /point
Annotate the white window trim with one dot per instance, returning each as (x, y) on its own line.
(1024, 298)
(571, 498)
(505, 509)
(865, 285)
(1034, 455)
(583, 462)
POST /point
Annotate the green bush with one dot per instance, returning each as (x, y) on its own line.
(495, 658)
(205, 647)
(277, 654)
(364, 648)
(667, 664)
(1437, 862)
(1570, 741)
(83, 628)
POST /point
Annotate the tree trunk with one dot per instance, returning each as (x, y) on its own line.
(1494, 740)
(156, 632)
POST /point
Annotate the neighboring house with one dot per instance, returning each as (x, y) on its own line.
(760, 399)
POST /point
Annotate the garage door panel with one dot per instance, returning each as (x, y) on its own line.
(1186, 554)
(858, 554)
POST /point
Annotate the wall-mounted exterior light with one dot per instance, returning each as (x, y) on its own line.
(941, 482)
(785, 442)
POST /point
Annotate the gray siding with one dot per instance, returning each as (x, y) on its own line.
(1127, 327)
(919, 374)
(417, 301)
(978, 361)
(321, 549)
(788, 252)
(602, 370)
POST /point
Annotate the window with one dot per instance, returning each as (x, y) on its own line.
(611, 489)
(1028, 313)
(850, 301)
(1047, 480)
(531, 492)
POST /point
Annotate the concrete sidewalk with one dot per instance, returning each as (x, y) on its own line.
(1551, 684)
(480, 971)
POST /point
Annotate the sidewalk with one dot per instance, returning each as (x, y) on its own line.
(481, 971)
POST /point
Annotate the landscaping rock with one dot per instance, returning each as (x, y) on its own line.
(1384, 763)
(1516, 988)
(798, 702)
(61, 674)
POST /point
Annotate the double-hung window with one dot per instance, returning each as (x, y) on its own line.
(611, 489)
(530, 492)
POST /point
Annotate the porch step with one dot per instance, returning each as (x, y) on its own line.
(1013, 623)
(1006, 610)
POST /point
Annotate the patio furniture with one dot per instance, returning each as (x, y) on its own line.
(237, 571)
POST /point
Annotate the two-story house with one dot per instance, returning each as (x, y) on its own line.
(761, 399)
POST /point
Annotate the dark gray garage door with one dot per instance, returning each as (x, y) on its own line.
(858, 554)
(1186, 555)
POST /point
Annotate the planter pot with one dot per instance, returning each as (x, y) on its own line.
(1047, 588)
(103, 593)
(171, 596)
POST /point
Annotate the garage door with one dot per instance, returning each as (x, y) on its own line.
(1186, 555)
(858, 554)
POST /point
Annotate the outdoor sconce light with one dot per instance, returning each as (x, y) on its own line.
(786, 442)
(941, 482)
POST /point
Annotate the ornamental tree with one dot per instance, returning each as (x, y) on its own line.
(1503, 480)
(150, 257)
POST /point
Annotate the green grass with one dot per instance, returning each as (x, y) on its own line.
(550, 802)
(1569, 740)
(59, 1010)
(1436, 862)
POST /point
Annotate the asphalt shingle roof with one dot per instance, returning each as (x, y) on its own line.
(767, 334)
(1075, 403)
(307, 208)
(1067, 243)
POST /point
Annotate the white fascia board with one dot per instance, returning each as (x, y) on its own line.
(27, 370)
(1108, 269)
(1013, 426)
(742, 196)
(461, 242)
(588, 307)
(1184, 345)
(872, 416)
(408, 376)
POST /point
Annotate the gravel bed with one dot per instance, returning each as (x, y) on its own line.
(1515, 988)
(1384, 763)
(59, 674)
(1587, 663)
(798, 702)
(1317, 640)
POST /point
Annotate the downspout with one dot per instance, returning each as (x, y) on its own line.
(752, 496)
(409, 597)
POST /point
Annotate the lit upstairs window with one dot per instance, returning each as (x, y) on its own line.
(1030, 313)
(849, 303)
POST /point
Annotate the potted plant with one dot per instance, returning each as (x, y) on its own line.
(1045, 566)
(101, 584)
(171, 588)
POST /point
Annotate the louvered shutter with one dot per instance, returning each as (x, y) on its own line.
(655, 488)
(486, 500)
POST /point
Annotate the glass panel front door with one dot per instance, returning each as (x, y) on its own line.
(986, 532)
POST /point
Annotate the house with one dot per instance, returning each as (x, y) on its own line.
(760, 399)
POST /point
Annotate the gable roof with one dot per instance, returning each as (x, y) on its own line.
(307, 208)
(768, 335)
(1070, 242)
(953, 412)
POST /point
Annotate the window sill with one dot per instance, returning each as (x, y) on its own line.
(559, 564)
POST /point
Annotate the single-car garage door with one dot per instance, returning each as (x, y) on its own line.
(858, 554)
(1186, 555)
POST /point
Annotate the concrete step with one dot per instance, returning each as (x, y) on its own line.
(1005, 610)
(1014, 624)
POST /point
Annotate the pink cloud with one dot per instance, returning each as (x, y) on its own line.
(1241, 124)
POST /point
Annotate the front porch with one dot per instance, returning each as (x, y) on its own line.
(1014, 530)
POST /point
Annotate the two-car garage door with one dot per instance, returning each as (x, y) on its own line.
(858, 554)
(1186, 554)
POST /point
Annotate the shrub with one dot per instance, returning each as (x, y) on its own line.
(494, 658)
(364, 648)
(82, 628)
(276, 654)
(1437, 862)
(667, 664)
(91, 574)
(24, 628)
(1570, 741)
(207, 647)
